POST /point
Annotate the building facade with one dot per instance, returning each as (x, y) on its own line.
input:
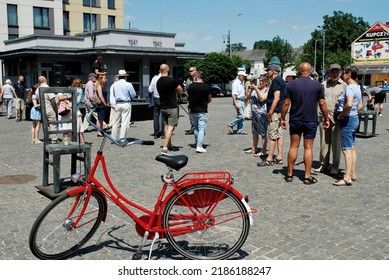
(60, 40)
(370, 53)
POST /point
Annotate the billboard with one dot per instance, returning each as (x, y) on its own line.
(373, 45)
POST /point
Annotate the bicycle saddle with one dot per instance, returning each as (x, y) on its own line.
(175, 162)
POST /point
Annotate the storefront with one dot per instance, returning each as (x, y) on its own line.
(371, 55)
(62, 58)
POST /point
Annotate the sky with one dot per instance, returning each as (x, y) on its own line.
(201, 24)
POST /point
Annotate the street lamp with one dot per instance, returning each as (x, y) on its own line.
(227, 41)
(314, 61)
(324, 48)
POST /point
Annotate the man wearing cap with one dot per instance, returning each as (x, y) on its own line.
(123, 92)
(238, 97)
(275, 98)
(330, 137)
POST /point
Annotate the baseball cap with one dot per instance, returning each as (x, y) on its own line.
(273, 67)
(242, 73)
(92, 75)
(335, 66)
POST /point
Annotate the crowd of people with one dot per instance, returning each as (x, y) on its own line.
(17, 99)
(331, 107)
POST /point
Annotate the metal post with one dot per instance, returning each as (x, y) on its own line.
(324, 47)
(229, 42)
(314, 62)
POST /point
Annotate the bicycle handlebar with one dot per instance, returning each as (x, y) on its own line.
(122, 142)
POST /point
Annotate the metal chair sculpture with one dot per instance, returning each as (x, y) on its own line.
(78, 151)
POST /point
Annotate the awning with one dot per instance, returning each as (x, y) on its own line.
(364, 69)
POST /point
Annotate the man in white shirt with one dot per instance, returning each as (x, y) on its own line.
(156, 102)
(123, 93)
(238, 97)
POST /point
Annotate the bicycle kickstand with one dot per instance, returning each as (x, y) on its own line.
(138, 254)
(156, 237)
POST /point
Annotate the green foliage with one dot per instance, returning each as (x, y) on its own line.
(261, 45)
(239, 62)
(216, 67)
(341, 29)
(237, 47)
(282, 49)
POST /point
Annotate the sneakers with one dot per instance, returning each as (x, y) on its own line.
(380, 115)
(36, 141)
(166, 152)
(200, 150)
(230, 130)
(242, 133)
(321, 169)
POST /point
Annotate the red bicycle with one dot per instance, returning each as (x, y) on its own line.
(202, 216)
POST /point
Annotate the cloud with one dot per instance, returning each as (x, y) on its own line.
(207, 38)
(273, 21)
(185, 36)
(297, 27)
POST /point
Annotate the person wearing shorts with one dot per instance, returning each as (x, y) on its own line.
(303, 96)
(168, 89)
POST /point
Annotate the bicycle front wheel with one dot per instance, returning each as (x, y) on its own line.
(54, 236)
(216, 230)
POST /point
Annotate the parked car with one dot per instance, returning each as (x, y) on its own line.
(216, 90)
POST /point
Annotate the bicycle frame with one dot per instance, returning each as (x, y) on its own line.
(153, 224)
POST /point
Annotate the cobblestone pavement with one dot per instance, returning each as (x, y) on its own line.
(294, 221)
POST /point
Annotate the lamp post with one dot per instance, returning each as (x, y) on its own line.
(227, 41)
(324, 48)
(314, 61)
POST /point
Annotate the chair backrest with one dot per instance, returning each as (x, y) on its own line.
(44, 95)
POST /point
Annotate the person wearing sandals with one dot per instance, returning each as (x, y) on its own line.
(303, 95)
(275, 98)
(259, 115)
(349, 103)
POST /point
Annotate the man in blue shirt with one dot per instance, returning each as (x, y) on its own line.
(275, 98)
(303, 95)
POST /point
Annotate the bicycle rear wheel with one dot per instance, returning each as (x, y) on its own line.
(53, 235)
(218, 228)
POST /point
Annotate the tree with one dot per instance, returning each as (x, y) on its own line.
(216, 68)
(340, 29)
(282, 49)
(261, 45)
(240, 62)
(236, 47)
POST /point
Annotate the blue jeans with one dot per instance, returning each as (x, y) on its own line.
(238, 120)
(199, 124)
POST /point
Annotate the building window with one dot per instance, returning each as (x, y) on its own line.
(12, 69)
(111, 22)
(90, 3)
(90, 22)
(66, 27)
(65, 1)
(12, 36)
(111, 4)
(12, 15)
(41, 17)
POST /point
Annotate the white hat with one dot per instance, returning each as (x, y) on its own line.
(242, 73)
(122, 73)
